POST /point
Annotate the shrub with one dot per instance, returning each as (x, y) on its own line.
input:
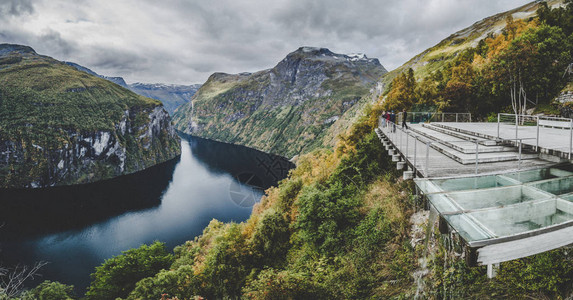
(49, 290)
(117, 276)
(271, 238)
(272, 284)
(180, 283)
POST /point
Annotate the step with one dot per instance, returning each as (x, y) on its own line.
(467, 132)
(461, 135)
(466, 159)
(458, 144)
(512, 143)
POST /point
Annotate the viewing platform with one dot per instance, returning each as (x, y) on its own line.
(506, 187)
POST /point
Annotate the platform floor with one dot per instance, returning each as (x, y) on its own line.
(436, 164)
(549, 138)
(515, 207)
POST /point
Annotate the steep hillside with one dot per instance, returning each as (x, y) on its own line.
(171, 95)
(61, 126)
(285, 110)
(445, 51)
(509, 62)
(116, 80)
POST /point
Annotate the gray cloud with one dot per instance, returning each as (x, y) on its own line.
(184, 41)
(16, 7)
(53, 40)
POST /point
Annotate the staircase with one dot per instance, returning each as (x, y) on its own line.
(461, 145)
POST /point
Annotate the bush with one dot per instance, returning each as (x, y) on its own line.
(180, 283)
(227, 265)
(325, 214)
(117, 276)
(49, 290)
(271, 239)
(276, 285)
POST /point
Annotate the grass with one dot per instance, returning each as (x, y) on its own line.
(568, 88)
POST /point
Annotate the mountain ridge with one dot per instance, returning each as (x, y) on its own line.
(286, 109)
(171, 95)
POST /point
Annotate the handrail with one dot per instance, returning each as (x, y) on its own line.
(393, 129)
(430, 116)
(396, 134)
(522, 121)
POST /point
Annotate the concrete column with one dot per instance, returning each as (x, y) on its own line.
(492, 270)
(407, 175)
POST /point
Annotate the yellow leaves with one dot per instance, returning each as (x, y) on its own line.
(478, 62)
(388, 197)
(315, 166)
(402, 93)
(249, 227)
(500, 42)
(270, 197)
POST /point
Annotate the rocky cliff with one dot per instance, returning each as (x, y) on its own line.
(60, 126)
(285, 110)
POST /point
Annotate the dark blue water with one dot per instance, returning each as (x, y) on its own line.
(76, 228)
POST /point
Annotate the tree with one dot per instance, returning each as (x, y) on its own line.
(559, 17)
(117, 276)
(531, 68)
(402, 95)
(49, 290)
(458, 90)
(12, 280)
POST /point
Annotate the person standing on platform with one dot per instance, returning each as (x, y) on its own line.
(393, 121)
(404, 116)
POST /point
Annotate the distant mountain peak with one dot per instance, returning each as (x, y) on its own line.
(325, 54)
(314, 50)
(6, 49)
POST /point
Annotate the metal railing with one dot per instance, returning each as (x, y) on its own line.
(420, 159)
(427, 116)
(535, 127)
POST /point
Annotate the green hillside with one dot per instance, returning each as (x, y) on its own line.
(474, 69)
(62, 126)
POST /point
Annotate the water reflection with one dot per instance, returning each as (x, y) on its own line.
(174, 204)
(31, 212)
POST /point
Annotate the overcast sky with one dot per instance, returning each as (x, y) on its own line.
(184, 41)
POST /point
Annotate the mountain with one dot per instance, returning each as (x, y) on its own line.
(436, 57)
(116, 80)
(61, 126)
(285, 110)
(172, 95)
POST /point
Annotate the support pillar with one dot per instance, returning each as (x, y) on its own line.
(492, 270)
